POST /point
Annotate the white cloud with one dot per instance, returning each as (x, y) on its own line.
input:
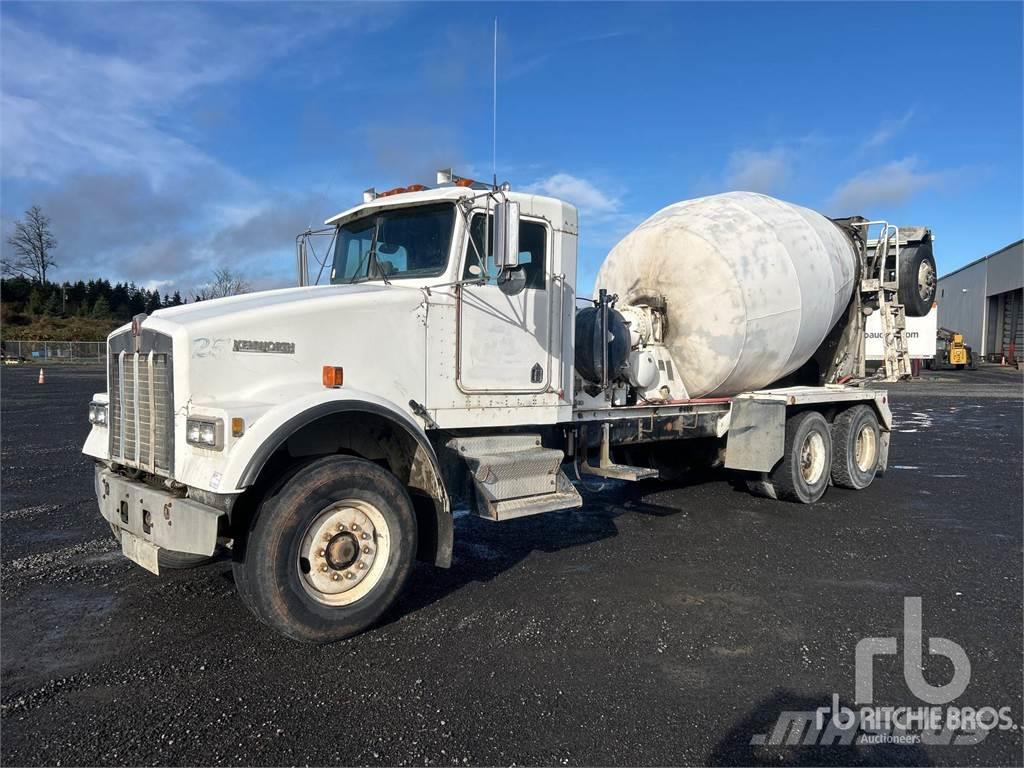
(96, 105)
(758, 171)
(888, 129)
(583, 194)
(891, 184)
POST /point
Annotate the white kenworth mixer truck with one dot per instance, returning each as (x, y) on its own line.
(322, 435)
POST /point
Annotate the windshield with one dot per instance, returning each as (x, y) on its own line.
(394, 244)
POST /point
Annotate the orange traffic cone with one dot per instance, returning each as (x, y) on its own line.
(42, 376)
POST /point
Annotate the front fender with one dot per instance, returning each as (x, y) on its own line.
(273, 428)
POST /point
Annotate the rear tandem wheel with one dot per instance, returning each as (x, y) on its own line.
(802, 474)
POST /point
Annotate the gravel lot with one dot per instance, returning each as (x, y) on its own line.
(657, 625)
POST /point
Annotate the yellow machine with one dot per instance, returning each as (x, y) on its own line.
(958, 351)
(951, 351)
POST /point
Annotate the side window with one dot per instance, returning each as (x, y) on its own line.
(533, 244)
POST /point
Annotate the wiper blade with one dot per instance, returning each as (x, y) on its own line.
(371, 254)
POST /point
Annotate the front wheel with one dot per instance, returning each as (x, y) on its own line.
(330, 551)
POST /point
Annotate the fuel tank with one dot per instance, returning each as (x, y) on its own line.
(751, 285)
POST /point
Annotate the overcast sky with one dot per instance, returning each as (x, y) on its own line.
(168, 139)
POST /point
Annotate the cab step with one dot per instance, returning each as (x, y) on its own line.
(515, 476)
(565, 497)
(607, 468)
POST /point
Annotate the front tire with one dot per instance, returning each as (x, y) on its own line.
(329, 553)
(856, 440)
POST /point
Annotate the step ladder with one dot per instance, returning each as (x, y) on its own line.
(875, 282)
(515, 476)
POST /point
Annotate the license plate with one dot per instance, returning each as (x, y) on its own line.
(140, 551)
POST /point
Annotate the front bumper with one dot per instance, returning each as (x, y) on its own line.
(166, 521)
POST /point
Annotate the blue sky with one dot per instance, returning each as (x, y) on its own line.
(168, 139)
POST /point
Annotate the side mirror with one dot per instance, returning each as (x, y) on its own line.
(512, 281)
(506, 235)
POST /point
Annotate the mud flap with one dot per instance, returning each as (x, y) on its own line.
(757, 434)
(140, 552)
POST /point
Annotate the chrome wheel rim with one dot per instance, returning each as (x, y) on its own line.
(812, 458)
(344, 552)
(865, 449)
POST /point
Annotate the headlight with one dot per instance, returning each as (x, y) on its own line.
(205, 433)
(98, 414)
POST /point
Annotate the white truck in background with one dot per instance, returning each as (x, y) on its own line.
(921, 334)
(322, 434)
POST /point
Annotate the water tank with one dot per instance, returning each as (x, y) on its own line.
(751, 284)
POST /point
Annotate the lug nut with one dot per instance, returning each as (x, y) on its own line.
(365, 536)
(350, 575)
(360, 565)
(355, 527)
(321, 553)
(366, 550)
(336, 577)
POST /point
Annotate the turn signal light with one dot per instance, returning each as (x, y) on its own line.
(237, 427)
(333, 377)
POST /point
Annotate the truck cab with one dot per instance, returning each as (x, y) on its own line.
(210, 404)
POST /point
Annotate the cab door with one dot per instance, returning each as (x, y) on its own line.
(504, 341)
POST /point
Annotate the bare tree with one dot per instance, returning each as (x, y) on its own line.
(32, 242)
(224, 283)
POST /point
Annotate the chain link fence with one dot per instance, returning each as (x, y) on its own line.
(55, 351)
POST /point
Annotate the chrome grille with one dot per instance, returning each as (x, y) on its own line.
(141, 405)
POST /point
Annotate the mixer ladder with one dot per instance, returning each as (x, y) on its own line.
(883, 285)
(894, 332)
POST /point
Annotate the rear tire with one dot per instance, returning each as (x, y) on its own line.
(856, 440)
(802, 475)
(329, 553)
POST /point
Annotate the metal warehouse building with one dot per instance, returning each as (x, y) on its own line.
(985, 301)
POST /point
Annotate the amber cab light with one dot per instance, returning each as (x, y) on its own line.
(333, 377)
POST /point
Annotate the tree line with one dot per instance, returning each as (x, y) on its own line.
(26, 288)
(95, 298)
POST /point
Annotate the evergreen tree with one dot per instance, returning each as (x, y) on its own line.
(53, 305)
(101, 308)
(36, 301)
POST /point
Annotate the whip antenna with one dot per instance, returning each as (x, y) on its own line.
(494, 109)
